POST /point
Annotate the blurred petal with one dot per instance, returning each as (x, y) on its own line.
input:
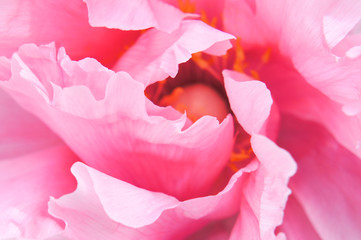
(296, 224)
(250, 100)
(124, 210)
(339, 20)
(103, 116)
(148, 65)
(134, 15)
(27, 182)
(65, 23)
(326, 182)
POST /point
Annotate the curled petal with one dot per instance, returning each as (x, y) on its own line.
(250, 101)
(125, 210)
(266, 192)
(106, 119)
(148, 65)
(27, 182)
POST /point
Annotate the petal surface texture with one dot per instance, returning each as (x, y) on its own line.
(107, 120)
(125, 210)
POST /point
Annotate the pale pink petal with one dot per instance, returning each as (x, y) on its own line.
(20, 131)
(297, 97)
(104, 207)
(250, 100)
(265, 193)
(327, 182)
(62, 22)
(27, 182)
(148, 65)
(103, 116)
(274, 23)
(339, 20)
(134, 15)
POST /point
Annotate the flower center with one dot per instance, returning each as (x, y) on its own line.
(197, 100)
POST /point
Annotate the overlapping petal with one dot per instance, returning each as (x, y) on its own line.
(327, 178)
(148, 65)
(265, 193)
(250, 100)
(272, 24)
(103, 116)
(127, 211)
(27, 182)
(65, 23)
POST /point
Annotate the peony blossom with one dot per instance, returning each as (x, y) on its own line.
(190, 119)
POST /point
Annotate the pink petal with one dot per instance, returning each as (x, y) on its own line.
(104, 207)
(250, 101)
(27, 182)
(274, 23)
(296, 224)
(266, 192)
(327, 179)
(148, 65)
(103, 116)
(65, 23)
(297, 97)
(339, 20)
(20, 131)
(134, 15)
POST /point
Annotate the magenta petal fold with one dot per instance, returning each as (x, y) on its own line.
(134, 15)
(27, 182)
(148, 65)
(106, 119)
(127, 211)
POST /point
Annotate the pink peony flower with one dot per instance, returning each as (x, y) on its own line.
(152, 119)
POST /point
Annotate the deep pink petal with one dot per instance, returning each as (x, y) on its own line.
(250, 100)
(27, 182)
(65, 23)
(104, 207)
(134, 15)
(148, 65)
(327, 179)
(106, 119)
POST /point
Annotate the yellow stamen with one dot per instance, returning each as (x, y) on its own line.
(205, 64)
(205, 19)
(266, 56)
(171, 98)
(239, 64)
(187, 6)
(238, 159)
(255, 74)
